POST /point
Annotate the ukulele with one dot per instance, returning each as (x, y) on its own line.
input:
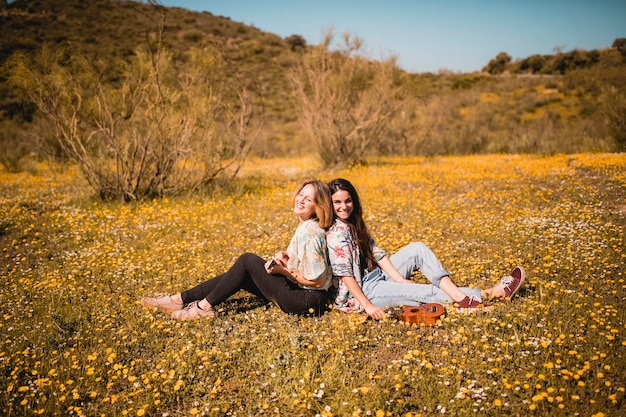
(427, 314)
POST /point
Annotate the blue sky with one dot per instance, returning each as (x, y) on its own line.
(431, 35)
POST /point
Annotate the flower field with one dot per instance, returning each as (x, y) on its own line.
(75, 341)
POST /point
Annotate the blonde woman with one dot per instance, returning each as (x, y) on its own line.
(296, 280)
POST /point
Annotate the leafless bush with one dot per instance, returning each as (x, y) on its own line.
(168, 124)
(614, 110)
(13, 146)
(344, 100)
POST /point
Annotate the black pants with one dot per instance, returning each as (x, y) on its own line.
(248, 273)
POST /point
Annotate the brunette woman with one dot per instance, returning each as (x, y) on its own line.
(366, 279)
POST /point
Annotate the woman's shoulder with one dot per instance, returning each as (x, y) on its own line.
(338, 226)
(311, 226)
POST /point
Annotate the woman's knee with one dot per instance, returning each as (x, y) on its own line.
(247, 258)
(417, 245)
(416, 248)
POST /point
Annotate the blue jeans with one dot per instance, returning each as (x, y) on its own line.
(383, 292)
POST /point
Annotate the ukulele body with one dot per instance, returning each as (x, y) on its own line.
(427, 314)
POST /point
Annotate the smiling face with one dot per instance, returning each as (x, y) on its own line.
(304, 203)
(342, 204)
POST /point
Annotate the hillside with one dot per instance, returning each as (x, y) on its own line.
(118, 27)
(540, 104)
(115, 29)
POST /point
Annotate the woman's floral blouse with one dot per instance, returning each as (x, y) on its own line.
(344, 256)
(308, 254)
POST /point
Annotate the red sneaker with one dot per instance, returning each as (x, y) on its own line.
(512, 282)
(470, 304)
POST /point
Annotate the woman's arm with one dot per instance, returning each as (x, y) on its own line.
(292, 274)
(309, 265)
(354, 288)
(386, 265)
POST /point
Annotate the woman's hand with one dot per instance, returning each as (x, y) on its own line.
(281, 257)
(275, 266)
(374, 312)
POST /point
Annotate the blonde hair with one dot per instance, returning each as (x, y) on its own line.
(322, 201)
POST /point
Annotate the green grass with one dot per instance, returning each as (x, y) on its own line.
(76, 343)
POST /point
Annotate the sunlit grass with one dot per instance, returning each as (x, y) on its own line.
(76, 343)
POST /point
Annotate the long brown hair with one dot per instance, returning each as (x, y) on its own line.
(356, 223)
(323, 205)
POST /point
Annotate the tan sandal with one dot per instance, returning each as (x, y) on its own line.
(163, 303)
(193, 312)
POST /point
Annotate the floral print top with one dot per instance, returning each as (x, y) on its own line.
(308, 253)
(344, 256)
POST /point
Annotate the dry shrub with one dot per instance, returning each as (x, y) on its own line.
(13, 146)
(167, 124)
(344, 100)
